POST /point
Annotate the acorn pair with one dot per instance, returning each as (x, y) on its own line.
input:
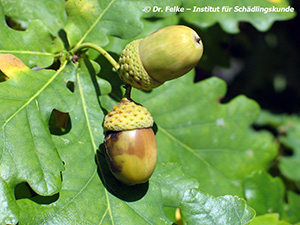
(147, 63)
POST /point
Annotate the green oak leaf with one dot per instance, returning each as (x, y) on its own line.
(54, 178)
(212, 141)
(291, 213)
(25, 138)
(35, 46)
(173, 182)
(229, 20)
(264, 193)
(93, 20)
(289, 165)
(84, 183)
(201, 208)
(27, 151)
(288, 127)
(268, 219)
(52, 13)
(89, 194)
(9, 208)
(181, 191)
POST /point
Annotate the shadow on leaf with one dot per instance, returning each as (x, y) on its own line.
(112, 77)
(115, 187)
(63, 36)
(3, 77)
(23, 190)
(15, 24)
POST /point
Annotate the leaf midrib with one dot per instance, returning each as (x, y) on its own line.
(82, 98)
(86, 116)
(87, 119)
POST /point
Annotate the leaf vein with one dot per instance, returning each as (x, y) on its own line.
(34, 96)
(183, 145)
(96, 21)
(90, 131)
(73, 198)
(29, 52)
(109, 207)
(101, 220)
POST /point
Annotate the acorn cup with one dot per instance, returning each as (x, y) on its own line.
(163, 55)
(131, 149)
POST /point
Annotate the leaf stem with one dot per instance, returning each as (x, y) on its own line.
(98, 49)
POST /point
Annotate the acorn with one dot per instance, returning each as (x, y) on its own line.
(131, 148)
(163, 55)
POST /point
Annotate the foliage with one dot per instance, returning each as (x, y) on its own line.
(212, 164)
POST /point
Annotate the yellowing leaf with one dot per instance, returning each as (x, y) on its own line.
(10, 65)
(275, 1)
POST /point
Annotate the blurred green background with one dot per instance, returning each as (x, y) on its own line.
(264, 66)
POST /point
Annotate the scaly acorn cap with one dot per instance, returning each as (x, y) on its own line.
(131, 68)
(163, 55)
(127, 115)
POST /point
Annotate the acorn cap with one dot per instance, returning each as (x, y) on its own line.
(131, 68)
(127, 115)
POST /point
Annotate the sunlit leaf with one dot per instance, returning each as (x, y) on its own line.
(264, 193)
(35, 46)
(52, 13)
(212, 141)
(93, 20)
(201, 208)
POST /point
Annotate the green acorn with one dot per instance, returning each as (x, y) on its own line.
(163, 55)
(131, 149)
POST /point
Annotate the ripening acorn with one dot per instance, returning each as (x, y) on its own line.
(131, 149)
(163, 55)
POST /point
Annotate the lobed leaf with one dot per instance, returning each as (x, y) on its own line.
(212, 141)
(264, 193)
(52, 13)
(291, 213)
(288, 127)
(93, 20)
(87, 188)
(35, 46)
(9, 209)
(202, 142)
(289, 165)
(201, 208)
(268, 219)
(84, 183)
(173, 183)
(26, 148)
